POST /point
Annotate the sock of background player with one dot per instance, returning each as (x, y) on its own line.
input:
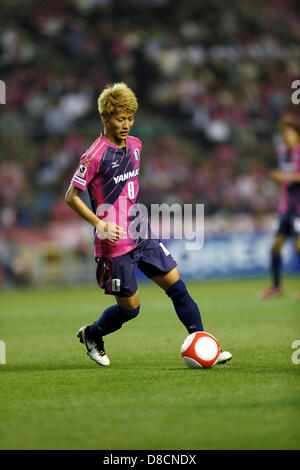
(111, 320)
(186, 309)
(275, 268)
(298, 258)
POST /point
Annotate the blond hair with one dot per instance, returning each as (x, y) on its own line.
(116, 97)
(289, 120)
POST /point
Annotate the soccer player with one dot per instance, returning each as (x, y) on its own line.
(109, 170)
(287, 175)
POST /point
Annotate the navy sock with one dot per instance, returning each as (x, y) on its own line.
(298, 261)
(113, 318)
(185, 307)
(275, 268)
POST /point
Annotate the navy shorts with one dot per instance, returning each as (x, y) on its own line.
(117, 275)
(288, 225)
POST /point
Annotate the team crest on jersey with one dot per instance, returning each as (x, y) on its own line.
(81, 171)
(137, 154)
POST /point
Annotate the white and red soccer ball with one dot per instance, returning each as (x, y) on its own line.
(200, 350)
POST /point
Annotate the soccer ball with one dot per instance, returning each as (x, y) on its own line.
(200, 350)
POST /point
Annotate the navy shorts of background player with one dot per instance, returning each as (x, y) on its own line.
(288, 225)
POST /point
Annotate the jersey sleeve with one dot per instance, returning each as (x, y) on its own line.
(85, 172)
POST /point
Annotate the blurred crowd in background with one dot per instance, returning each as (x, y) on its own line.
(212, 78)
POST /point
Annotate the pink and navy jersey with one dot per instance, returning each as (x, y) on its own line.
(110, 174)
(289, 161)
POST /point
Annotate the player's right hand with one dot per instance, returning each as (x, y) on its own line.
(110, 231)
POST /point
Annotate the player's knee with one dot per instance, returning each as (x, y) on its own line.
(127, 315)
(277, 245)
(176, 289)
(276, 250)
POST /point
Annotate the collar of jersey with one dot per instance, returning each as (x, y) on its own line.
(111, 144)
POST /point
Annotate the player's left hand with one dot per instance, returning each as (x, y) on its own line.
(110, 231)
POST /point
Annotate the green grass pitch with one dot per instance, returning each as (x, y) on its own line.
(52, 396)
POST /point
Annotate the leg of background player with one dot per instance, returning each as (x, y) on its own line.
(275, 289)
(297, 244)
(276, 260)
(296, 295)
